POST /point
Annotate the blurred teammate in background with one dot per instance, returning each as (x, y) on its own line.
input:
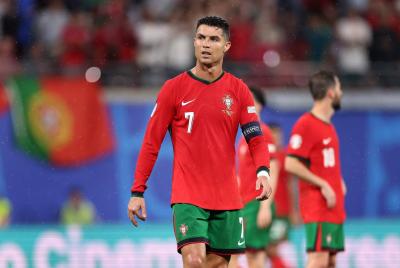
(5, 211)
(77, 210)
(285, 199)
(313, 156)
(257, 215)
(202, 109)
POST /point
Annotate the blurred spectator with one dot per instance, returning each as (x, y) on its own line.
(5, 212)
(9, 19)
(354, 35)
(318, 34)
(75, 41)
(8, 60)
(77, 210)
(50, 24)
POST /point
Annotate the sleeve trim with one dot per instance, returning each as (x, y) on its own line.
(137, 194)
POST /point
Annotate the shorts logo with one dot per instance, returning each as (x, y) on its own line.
(329, 239)
(228, 102)
(183, 229)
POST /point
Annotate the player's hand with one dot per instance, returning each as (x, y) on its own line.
(262, 181)
(264, 216)
(329, 195)
(136, 208)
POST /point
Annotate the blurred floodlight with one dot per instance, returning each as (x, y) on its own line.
(271, 58)
(93, 74)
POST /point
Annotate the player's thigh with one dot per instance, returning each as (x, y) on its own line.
(324, 236)
(226, 232)
(256, 259)
(318, 259)
(190, 225)
(256, 238)
(217, 261)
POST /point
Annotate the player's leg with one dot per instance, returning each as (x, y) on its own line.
(332, 260)
(257, 238)
(226, 237)
(190, 228)
(194, 255)
(317, 259)
(256, 259)
(279, 232)
(217, 261)
(234, 261)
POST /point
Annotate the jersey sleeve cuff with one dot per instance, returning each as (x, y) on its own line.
(263, 171)
(137, 194)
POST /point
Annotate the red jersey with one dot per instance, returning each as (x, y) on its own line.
(247, 169)
(282, 198)
(203, 120)
(316, 144)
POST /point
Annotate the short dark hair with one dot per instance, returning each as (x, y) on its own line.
(258, 95)
(216, 22)
(320, 83)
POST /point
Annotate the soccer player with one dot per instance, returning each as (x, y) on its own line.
(284, 199)
(313, 156)
(257, 215)
(202, 109)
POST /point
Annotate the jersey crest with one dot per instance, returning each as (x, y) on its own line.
(228, 102)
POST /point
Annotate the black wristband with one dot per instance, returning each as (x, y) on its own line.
(137, 194)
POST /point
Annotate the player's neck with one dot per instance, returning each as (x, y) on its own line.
(208, 73)
(323, 111)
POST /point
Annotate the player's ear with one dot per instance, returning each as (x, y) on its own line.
(227, 46)
(331, 93)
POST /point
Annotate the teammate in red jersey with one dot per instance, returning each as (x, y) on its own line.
(285, 199)
(202, 109)
(313, 156)
(257, 215)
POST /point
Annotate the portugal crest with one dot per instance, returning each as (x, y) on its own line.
(183, 229)
(228, 102)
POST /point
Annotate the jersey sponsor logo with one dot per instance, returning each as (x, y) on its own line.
(154, 110)
(183, 229)
(295, 141)
(228, 102)
(251, 109)
(184, 103)
(326, 141)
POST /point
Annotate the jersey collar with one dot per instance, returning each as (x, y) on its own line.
(203, 80)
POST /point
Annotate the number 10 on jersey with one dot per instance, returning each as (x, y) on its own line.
(190, 117)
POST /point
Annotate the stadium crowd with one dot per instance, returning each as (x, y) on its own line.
(142, 42)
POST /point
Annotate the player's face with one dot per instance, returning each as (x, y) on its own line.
(337, 96)
(210, 45)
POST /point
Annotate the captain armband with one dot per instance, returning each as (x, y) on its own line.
(251, 130)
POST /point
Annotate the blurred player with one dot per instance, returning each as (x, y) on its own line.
(202, 109)
(313, 156)
(257, 215)
(285, 202)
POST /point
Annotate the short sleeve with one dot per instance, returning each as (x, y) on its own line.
(248, 112)
(301, 141)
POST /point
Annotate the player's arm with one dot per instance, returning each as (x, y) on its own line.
(251, 130)
(157, 127)
(296, 167)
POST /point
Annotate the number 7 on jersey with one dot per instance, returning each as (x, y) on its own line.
(190, 116)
